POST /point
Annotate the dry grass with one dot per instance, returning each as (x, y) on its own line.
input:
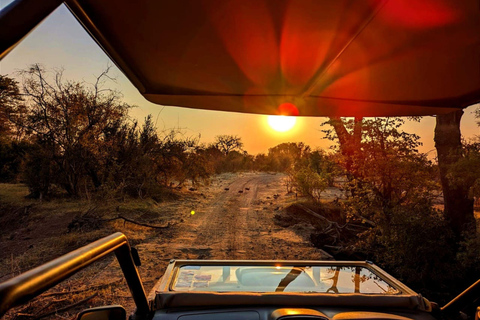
(35, 232)
(14, 194)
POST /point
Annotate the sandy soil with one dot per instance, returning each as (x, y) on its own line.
(233, 219)
(238, 223)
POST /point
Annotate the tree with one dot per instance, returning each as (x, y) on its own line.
(12, 146)
(83, 142)
(477, 115)
(10, 105)
(323, 164)
(227, 143)
(69, 121)
(458, 205)
(171, 157)
(465, 172)
(349, 140)
(383, 167)
(198, 165)
(392, 185)
(261, 162)
(285, 156)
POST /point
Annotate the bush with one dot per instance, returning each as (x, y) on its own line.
(11, 156)
(310, 183)
(419, 248)
(38, 173)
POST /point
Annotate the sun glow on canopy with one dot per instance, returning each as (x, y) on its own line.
(281, 123)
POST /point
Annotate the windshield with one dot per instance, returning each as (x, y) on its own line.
(308, 279)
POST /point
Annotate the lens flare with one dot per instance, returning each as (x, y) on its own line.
(287, 109)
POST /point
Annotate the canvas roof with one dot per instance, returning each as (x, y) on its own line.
(295, 57)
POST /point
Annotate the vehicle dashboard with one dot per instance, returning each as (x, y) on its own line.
(280, 313)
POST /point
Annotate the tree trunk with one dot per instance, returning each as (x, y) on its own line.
(458, 207)
(350, 143)
(350, 147)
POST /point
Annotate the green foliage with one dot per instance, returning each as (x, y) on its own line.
(312, 174)
(285, 156)
(467, 255)
(68, 120)
(418, 248)
(384, 169)
(12, 154)
(198, 167)
(310, 183)
(309, 172)
(226, 154)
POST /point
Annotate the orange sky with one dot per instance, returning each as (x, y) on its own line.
(60, 42)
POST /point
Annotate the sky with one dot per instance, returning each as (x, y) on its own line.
(60, 42)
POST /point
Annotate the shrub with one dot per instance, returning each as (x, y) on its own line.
(310, 183)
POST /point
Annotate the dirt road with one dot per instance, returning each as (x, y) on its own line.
(237, 223)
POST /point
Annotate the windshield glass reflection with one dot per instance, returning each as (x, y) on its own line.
(318, 279)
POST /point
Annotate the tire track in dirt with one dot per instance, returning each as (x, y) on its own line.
(224, 220)
(238, 223)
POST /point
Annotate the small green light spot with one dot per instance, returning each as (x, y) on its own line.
(192, 212)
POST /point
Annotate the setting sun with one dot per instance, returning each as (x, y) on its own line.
(281, 123)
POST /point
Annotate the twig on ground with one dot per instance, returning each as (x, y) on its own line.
(139, 223)
(66, 307)
(333, 247)
(24, 315)
(319, 216)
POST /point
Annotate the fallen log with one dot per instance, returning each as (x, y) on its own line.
(334, 224)
(139, 223)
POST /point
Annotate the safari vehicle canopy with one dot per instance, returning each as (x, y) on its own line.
(292, 57)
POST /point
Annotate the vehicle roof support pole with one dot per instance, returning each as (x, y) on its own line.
(135, 285)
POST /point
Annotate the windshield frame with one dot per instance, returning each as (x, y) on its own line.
(168, 281)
